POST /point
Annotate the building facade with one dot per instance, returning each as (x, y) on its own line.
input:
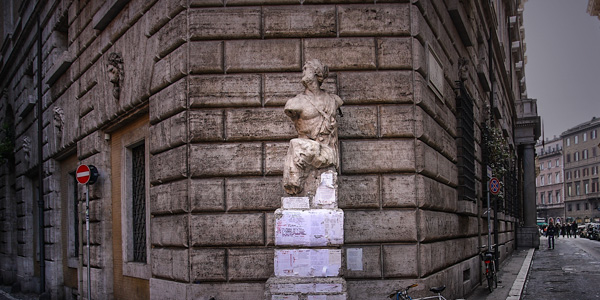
(549, 183)
(179, 105)
(582, 160)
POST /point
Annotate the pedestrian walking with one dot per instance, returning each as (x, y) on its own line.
(574, 229)
(568, 229)
(550, 234)
(563, 230)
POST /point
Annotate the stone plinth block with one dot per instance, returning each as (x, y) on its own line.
(315, 227)
(308, 262)
(305, 288)
(295, 203)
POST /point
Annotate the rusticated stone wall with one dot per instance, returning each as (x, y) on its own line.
(213, 77)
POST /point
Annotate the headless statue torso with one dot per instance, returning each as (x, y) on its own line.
(313, 113)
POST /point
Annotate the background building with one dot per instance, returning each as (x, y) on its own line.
(582, 159)
(179, 104)
(549, 182)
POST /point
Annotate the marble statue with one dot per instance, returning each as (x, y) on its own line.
(59, 123)
(316, 147)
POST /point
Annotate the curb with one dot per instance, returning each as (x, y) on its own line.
(517, 287)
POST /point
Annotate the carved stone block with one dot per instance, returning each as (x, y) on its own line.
(342, 53)
(206, 57)
(258, 124)
(169, 69)
(376, 87)
(170, 230)
(207, 195)
(300, 21)
(169, 198)
(250, 264)
(225, 23)
(208, 265)
(225, 159)
(261, 193)
(359, 192)
(228, 230)
(169, 165)
(225, 90)
(400, 260)
(358, 122)
(379, 226)
(169, 133)
(206, 125)
(377, 156)
(398, 121)
(374, 19)
(170, 263)
(395, 53)
(263, 55)
(168, 101)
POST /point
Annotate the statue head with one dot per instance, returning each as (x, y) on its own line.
(314, 69)
(115, 72)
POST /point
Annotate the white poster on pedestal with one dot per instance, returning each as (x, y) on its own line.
(307, 262)
(316, 227)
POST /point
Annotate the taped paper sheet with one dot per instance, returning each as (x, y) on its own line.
(307, 262)
(354, 259)
(325, 197)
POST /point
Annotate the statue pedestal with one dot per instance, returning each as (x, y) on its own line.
(288, 288)
(309, 233)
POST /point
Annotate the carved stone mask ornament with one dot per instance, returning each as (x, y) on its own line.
(115, 72)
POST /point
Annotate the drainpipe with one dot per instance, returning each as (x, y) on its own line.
(41, 232)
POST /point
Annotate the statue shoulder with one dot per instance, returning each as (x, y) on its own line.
(294, 106)
(338, 101)
(296, 102)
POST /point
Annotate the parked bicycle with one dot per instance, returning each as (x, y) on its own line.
(402, 294)
(490, 269)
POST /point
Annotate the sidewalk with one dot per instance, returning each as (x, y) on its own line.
(511, 278)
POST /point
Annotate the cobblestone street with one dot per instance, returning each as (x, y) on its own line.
(570, 271)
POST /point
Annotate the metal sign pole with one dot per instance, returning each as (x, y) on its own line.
(87, 229)
(489, 218)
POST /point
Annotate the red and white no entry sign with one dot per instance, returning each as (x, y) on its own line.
(494, 186)
(86, 174)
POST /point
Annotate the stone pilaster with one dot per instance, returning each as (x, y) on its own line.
(527, 132)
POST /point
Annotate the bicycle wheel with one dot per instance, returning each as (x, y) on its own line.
(495, 275)
(490, 281)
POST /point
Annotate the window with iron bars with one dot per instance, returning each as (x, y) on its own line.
(465, 145)
(138, 175)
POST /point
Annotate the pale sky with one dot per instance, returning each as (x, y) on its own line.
(563, 62)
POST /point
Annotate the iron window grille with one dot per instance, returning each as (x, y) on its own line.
(466, 145)
(138, 180)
